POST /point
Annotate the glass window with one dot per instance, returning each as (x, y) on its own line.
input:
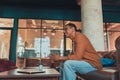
(26, 41)
(111, 32)
(51, 24)
(29, 23)
(4, 43)
(6, 22)
(35, 40)
(53, 29)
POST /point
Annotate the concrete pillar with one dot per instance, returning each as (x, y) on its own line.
(92, 22)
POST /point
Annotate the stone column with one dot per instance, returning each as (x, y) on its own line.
(92, 22)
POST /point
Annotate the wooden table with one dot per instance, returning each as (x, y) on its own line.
(49, 74)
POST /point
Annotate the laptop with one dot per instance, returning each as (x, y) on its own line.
(30, 71)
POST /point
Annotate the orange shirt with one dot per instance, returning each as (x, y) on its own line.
(85, 51)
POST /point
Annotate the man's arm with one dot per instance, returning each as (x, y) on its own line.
(80, 46)
(57, 57)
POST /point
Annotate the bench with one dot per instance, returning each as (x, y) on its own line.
(109, 73)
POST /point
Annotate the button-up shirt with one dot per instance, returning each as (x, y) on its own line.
(85, 51)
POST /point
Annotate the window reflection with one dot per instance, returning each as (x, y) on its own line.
(6, 22)
(29, 23)
(46, 40)
(111, 32)
(52, 24)
(4, 43)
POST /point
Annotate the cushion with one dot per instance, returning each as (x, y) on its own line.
(107, 62)
(6, 65)
(2, 68)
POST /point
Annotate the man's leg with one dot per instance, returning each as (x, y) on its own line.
(72, 66)
(60, 69)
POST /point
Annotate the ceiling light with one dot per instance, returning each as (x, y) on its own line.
(45, 32)
(53, 32)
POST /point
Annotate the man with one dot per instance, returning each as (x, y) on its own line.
(83, 60)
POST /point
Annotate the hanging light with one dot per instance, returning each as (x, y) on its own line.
(45, 32)
(53, 32)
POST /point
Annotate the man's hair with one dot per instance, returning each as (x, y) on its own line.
(117, 43)
(73, 26)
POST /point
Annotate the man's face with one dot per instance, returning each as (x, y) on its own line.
(68, 31)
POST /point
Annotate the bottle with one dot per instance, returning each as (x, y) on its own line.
(40, 66)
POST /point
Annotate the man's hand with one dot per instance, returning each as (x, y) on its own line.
(55, 57)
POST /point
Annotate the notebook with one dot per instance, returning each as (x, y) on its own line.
(30, 71)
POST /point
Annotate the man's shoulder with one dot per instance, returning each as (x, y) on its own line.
(81, 35)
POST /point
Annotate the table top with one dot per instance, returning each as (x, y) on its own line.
(49, 72)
